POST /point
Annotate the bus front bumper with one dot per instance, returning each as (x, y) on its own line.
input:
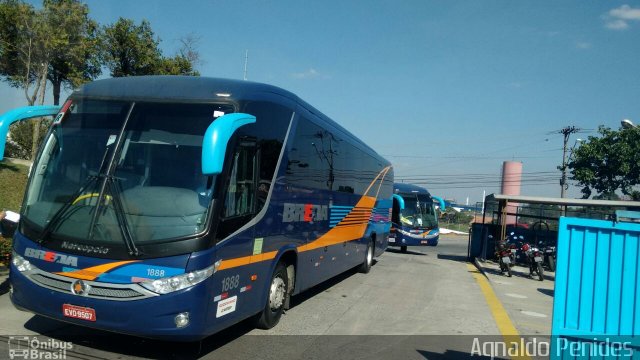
(152, 317)
(411, 240)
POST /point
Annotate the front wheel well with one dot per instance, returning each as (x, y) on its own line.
(290, 261)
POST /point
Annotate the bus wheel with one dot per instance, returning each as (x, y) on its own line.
(368, 258)
(278, 292)
(403, 248)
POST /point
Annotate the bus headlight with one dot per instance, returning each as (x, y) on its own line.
(21, 263)
(179, 282)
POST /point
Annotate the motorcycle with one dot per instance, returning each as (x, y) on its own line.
(505, 257)
(541, 233)
(534, 259)
(550, 253)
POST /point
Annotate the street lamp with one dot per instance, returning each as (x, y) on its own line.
(627, 124)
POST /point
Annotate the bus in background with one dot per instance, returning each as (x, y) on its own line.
(414, 218)
(173, 207)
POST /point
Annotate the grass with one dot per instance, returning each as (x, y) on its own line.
(13, 180)
(457, 227)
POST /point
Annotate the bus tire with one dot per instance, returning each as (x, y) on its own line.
(403, 248)
(276, 298)
(368, 258)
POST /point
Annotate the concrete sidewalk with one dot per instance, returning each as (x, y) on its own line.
(528, 302)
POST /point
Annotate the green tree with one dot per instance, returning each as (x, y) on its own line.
(76, 52)
(26, 41)
(177, 65)
(131, 50)
(58, 43)
(608, 163)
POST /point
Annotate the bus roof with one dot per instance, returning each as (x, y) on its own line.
(409, 188)
(171, 87)
(198, 89)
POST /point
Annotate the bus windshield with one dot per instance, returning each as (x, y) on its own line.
(112, 170)
(418, 212)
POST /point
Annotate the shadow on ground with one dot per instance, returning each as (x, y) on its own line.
(458, 258)
(408, 252)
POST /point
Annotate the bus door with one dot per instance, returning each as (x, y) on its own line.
(239, 202)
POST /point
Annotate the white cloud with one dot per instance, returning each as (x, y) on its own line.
(309, 74)
(583, 45)
(616, 24)
(619, 18)
(626, 12)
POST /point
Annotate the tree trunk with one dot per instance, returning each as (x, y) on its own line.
(36, 122)
(56, 92)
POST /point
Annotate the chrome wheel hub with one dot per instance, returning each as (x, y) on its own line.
(276, 293)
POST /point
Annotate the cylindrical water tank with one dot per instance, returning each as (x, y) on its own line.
(511, 181)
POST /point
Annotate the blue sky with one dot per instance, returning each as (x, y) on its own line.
(443, 89)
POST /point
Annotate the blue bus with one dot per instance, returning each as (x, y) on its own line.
(414, 218)
(172, 207)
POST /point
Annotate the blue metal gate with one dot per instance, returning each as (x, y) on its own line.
(596, 308)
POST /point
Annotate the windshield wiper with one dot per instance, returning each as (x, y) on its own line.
(115, 193)
(55, 219)
(125, 230)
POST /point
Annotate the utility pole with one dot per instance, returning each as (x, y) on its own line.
(246, 60)
(567, 131)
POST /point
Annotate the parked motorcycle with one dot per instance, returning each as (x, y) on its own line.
(542, 235)
(550, 254)
(505, 255)
(534, 259)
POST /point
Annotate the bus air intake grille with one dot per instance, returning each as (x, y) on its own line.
(64, 286)
(105, 292)
(98, 290)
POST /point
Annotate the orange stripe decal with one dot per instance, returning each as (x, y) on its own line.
(246, 260)
(93, 272)
(351, 227)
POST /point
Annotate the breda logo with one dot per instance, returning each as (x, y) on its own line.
(50, 256)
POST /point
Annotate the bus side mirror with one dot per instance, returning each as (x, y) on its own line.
(440, 201)
(22, 113)
(216, 138)
(400, 201)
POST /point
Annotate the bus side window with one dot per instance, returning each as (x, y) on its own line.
(241, 190)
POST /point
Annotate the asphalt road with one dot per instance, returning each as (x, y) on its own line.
(413, 305)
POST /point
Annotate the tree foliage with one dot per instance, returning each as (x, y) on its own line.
(21, 139)
(131, 50)
(75, 55)
(59, 44)
(608, 163)
(26, 41)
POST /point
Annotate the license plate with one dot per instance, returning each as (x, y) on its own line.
(537, 259)
(79, 312)
(549, 251)
(506, 260)
(513, 251)
(423, 242)
(392, 240)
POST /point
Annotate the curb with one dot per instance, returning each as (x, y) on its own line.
(480, 267)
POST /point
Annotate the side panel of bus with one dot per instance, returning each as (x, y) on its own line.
(320, 177)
